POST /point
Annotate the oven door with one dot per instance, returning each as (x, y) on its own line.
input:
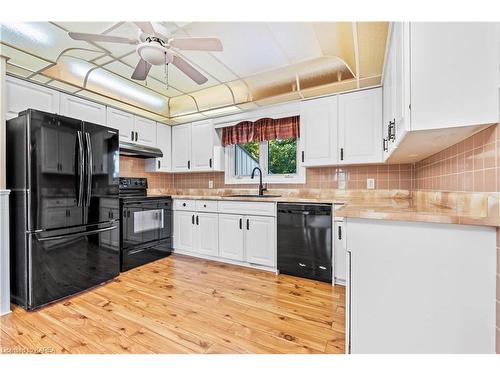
(146, 232)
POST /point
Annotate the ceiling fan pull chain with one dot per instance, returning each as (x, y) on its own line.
(166, 70)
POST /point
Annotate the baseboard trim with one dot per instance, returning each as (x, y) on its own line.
(224, 260)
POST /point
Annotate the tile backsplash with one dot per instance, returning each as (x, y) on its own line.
(470, 165)
(397, 177)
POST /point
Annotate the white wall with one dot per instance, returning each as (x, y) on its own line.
(4, 204)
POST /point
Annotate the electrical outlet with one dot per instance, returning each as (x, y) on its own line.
(210, 184)
(341, 179)
(370, 183)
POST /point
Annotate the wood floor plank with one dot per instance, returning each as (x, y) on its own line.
(182, 304)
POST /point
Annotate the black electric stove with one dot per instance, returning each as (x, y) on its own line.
(146, 224)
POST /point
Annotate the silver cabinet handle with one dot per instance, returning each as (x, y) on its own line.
(302, 264)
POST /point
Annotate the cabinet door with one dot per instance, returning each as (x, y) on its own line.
(122, 121)
(454, 74)
(207, 237)
(202, 145)
(231, 236)
(388, 93)
(164, 143)
(360, 127)
(21, 95)
(81, 109)
(340, 253)
(318, 129)
(181, 148)
(145, 131)
(260, 240)
(184, 230)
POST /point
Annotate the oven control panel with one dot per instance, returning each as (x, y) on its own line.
(133, 183)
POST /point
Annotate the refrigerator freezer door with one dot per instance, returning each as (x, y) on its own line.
(53, 171)
(65, 262)
(101, 171)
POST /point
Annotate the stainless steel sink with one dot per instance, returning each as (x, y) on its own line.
(253, 196)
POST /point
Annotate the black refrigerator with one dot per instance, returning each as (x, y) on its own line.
(63, 174)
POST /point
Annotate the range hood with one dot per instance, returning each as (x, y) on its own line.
(139, 151)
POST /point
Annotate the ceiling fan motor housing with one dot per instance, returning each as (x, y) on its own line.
(154, 52)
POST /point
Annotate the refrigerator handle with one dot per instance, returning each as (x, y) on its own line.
(79, 234)
(89, 169)
(81, 164)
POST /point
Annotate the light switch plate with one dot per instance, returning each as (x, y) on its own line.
(210, 184)
(370, 183)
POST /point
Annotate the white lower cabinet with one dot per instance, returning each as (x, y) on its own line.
(184, 230)
(226, 230)
(196, 232)
(248, 238)
(207, 233)
(260, 238)
(231, 236)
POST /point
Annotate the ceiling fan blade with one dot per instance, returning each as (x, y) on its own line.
(197, 44)
(146, 27)
(189, 70)
(141, 70)
(101, 38)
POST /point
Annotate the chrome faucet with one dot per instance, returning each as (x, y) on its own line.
(262, 189)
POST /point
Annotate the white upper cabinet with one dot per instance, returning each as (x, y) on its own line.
(123, 122)
(438, 76)
(85, 110)
(145, 131)
(318, 131)
(454, 74)
(202, 145)
(196, 147)
(360, 127)
(181, 148)
(164, 143)
(133, 129)
(22, 95)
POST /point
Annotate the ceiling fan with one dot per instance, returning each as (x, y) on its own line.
(155, 48)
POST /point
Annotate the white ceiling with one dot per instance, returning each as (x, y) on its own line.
(260, 61)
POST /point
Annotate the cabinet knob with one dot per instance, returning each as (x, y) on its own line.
(184, 205)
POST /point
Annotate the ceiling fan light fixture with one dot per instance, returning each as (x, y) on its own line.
(154, 53)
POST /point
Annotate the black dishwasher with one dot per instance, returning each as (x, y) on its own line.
(305, 240)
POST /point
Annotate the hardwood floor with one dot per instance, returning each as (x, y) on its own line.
(186, 305)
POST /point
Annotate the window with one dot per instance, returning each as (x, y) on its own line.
(277, 158)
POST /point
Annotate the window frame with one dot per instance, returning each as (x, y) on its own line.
(231, 179)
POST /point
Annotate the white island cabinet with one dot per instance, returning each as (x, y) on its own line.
(418, 287)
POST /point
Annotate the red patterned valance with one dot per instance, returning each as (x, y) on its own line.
(264, 129)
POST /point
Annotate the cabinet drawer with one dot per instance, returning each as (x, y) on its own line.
(206, 206)
(248, 208)
(185, 205)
